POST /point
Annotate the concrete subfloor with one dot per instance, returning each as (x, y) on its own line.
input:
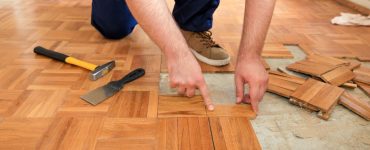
(281, 125)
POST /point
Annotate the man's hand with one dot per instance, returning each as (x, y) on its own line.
(252, 72)
(185, 75)
(249, 69)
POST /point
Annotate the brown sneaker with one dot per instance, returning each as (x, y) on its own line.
(205, 49)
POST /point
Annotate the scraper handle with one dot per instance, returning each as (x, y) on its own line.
(133, 75)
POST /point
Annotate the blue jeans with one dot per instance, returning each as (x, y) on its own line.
(113, 19)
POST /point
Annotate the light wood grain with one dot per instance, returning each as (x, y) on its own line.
(358, 106)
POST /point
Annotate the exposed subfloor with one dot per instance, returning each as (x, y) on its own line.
(281, 125)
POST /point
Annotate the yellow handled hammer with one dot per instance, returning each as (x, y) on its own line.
(96, 71)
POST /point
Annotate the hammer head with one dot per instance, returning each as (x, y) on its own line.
(102, 70)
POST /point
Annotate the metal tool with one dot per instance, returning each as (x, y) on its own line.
(98, 95)
(96, 71)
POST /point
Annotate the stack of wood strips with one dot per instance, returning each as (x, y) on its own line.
(310, 94)
(329, 69)
(315, 95)
(283, 84)
(362, 79)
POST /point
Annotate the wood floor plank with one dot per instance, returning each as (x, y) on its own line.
(276, 50)
(233, 133)
(338, 76)
(237, 110)
(22, 133)
(310, 67)
(327, 97)
(308, 90)
(175, 106)
(130, 104)
(165, 133)
(362, 75)
(356, 105)
(70, 133)
(364, 87)
(41, 103)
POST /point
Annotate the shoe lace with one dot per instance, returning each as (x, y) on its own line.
(206, 39)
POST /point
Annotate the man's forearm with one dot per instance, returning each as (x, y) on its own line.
(156, 20)
(257, 18)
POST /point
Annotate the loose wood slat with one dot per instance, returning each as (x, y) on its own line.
(276, 50)
(364, 87)
(283, 82)
(316, 95)
(289, 77)
(362, 75)
(279, 91)
(308, 90)
(326, 60)
(338, 76)
(358, 106)
(353, 64)
(327, 97)
(310, 67)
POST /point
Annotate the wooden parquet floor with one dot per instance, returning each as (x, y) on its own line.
(40, 106)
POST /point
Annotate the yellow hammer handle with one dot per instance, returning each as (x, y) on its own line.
(80, 63)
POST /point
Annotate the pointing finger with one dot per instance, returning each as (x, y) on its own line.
(207, 100)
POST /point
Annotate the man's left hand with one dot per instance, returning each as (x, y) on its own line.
(250, 70)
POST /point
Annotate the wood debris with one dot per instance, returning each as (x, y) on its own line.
(311, 94)
(329, 69)
(358, 106)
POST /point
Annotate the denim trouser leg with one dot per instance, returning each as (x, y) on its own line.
(195, 15)
(112, 18)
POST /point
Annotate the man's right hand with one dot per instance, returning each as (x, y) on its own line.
(185, 75)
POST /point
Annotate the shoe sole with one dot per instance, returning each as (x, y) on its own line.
(211, 62)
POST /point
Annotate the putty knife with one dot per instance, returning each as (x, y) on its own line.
(98, 95)
(221, 87)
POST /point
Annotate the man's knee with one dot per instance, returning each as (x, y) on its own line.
(112, 18)
(114, 32)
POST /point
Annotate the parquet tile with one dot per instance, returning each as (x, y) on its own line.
(338, 76)
(233, 133)
(241, 110)
(362, 75)
(283, 84)
(174, 106)
(40, 106)
(22, 133)
(316, 95)
(67, 133)
(276, 50)
(166, 133)
(311, 67)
